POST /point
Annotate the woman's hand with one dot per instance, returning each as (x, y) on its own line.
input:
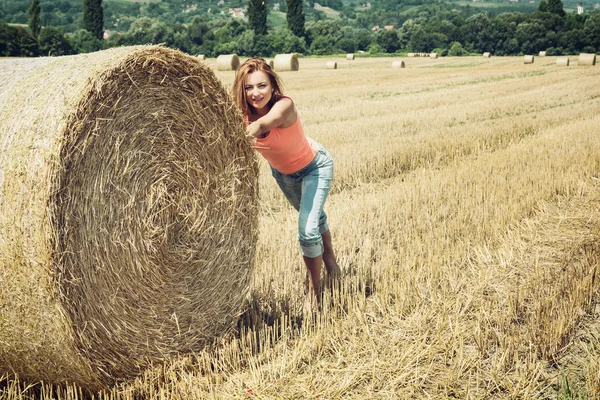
(253, 130)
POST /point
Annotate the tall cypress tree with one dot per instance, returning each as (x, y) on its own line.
(257, 15)
(34, 18)
(93, 17)
(295, 17)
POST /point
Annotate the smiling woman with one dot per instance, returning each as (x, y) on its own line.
(302, 168)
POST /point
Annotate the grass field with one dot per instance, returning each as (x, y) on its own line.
(465, 213)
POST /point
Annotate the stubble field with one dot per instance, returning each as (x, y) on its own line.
(465, 214)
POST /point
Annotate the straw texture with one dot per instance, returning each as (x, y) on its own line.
(587, 59)
(562, 61)
(286, 62)
(228, 62)
(127, 213)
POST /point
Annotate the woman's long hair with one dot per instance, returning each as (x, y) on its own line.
(239, 92)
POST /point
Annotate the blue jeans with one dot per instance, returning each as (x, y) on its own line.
(306, 190)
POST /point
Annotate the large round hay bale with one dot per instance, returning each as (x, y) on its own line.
(286, 62)
(398, 64)
(487, 54)
(350, 56)
(201, 57)
(433, 55)
(411, 54)
(562, 61)
(228, 62)
(542, 54)
(271, 64)
(331, 65)
(586, 59)
(528, 59)
(127, 213)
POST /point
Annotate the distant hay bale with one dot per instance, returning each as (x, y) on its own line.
(398, 64)
(228, 62)
(201, 57)
(487, 54)
(331, 65)
(562, 61)
(271, 64)
(542, 54)
(128, 213)
(528, 59)
(286, 62)
(433, 55)
(350, 56)
(411, 54)
(586, 59)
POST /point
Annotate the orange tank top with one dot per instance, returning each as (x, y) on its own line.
(287, 149)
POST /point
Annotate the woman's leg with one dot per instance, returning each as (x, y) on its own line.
(331, 265)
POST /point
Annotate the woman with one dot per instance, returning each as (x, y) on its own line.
(302, 168)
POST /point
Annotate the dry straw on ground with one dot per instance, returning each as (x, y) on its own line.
(127, 213)
(286, 62)
(331, 65)
(562, 61)
(398, 64)
(587, 59)
(228, 62)
(528, 59)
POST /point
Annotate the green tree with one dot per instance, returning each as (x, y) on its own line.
(93, 17)
(295, 17)
(27, 44)
(52, 41)
(34, 18)
(456, 49)
(556, 7)
(83, 41)
(258, 12)
(543, 6)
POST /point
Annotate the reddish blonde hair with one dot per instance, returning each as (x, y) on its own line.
(249, 66)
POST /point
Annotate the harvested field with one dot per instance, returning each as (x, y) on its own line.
(465, 213)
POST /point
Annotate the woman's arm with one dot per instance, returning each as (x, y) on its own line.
(282, 115)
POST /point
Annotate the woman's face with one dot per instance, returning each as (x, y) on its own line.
(258, 90)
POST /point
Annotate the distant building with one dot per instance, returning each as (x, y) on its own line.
(237, 12)
(221, 3)
(579, 8)
(106, 34)
(389, 27)
(375, 28)
(276, 6)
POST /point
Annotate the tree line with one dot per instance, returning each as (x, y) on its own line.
(434, 26)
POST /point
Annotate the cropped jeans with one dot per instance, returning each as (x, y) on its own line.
(306, 190)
